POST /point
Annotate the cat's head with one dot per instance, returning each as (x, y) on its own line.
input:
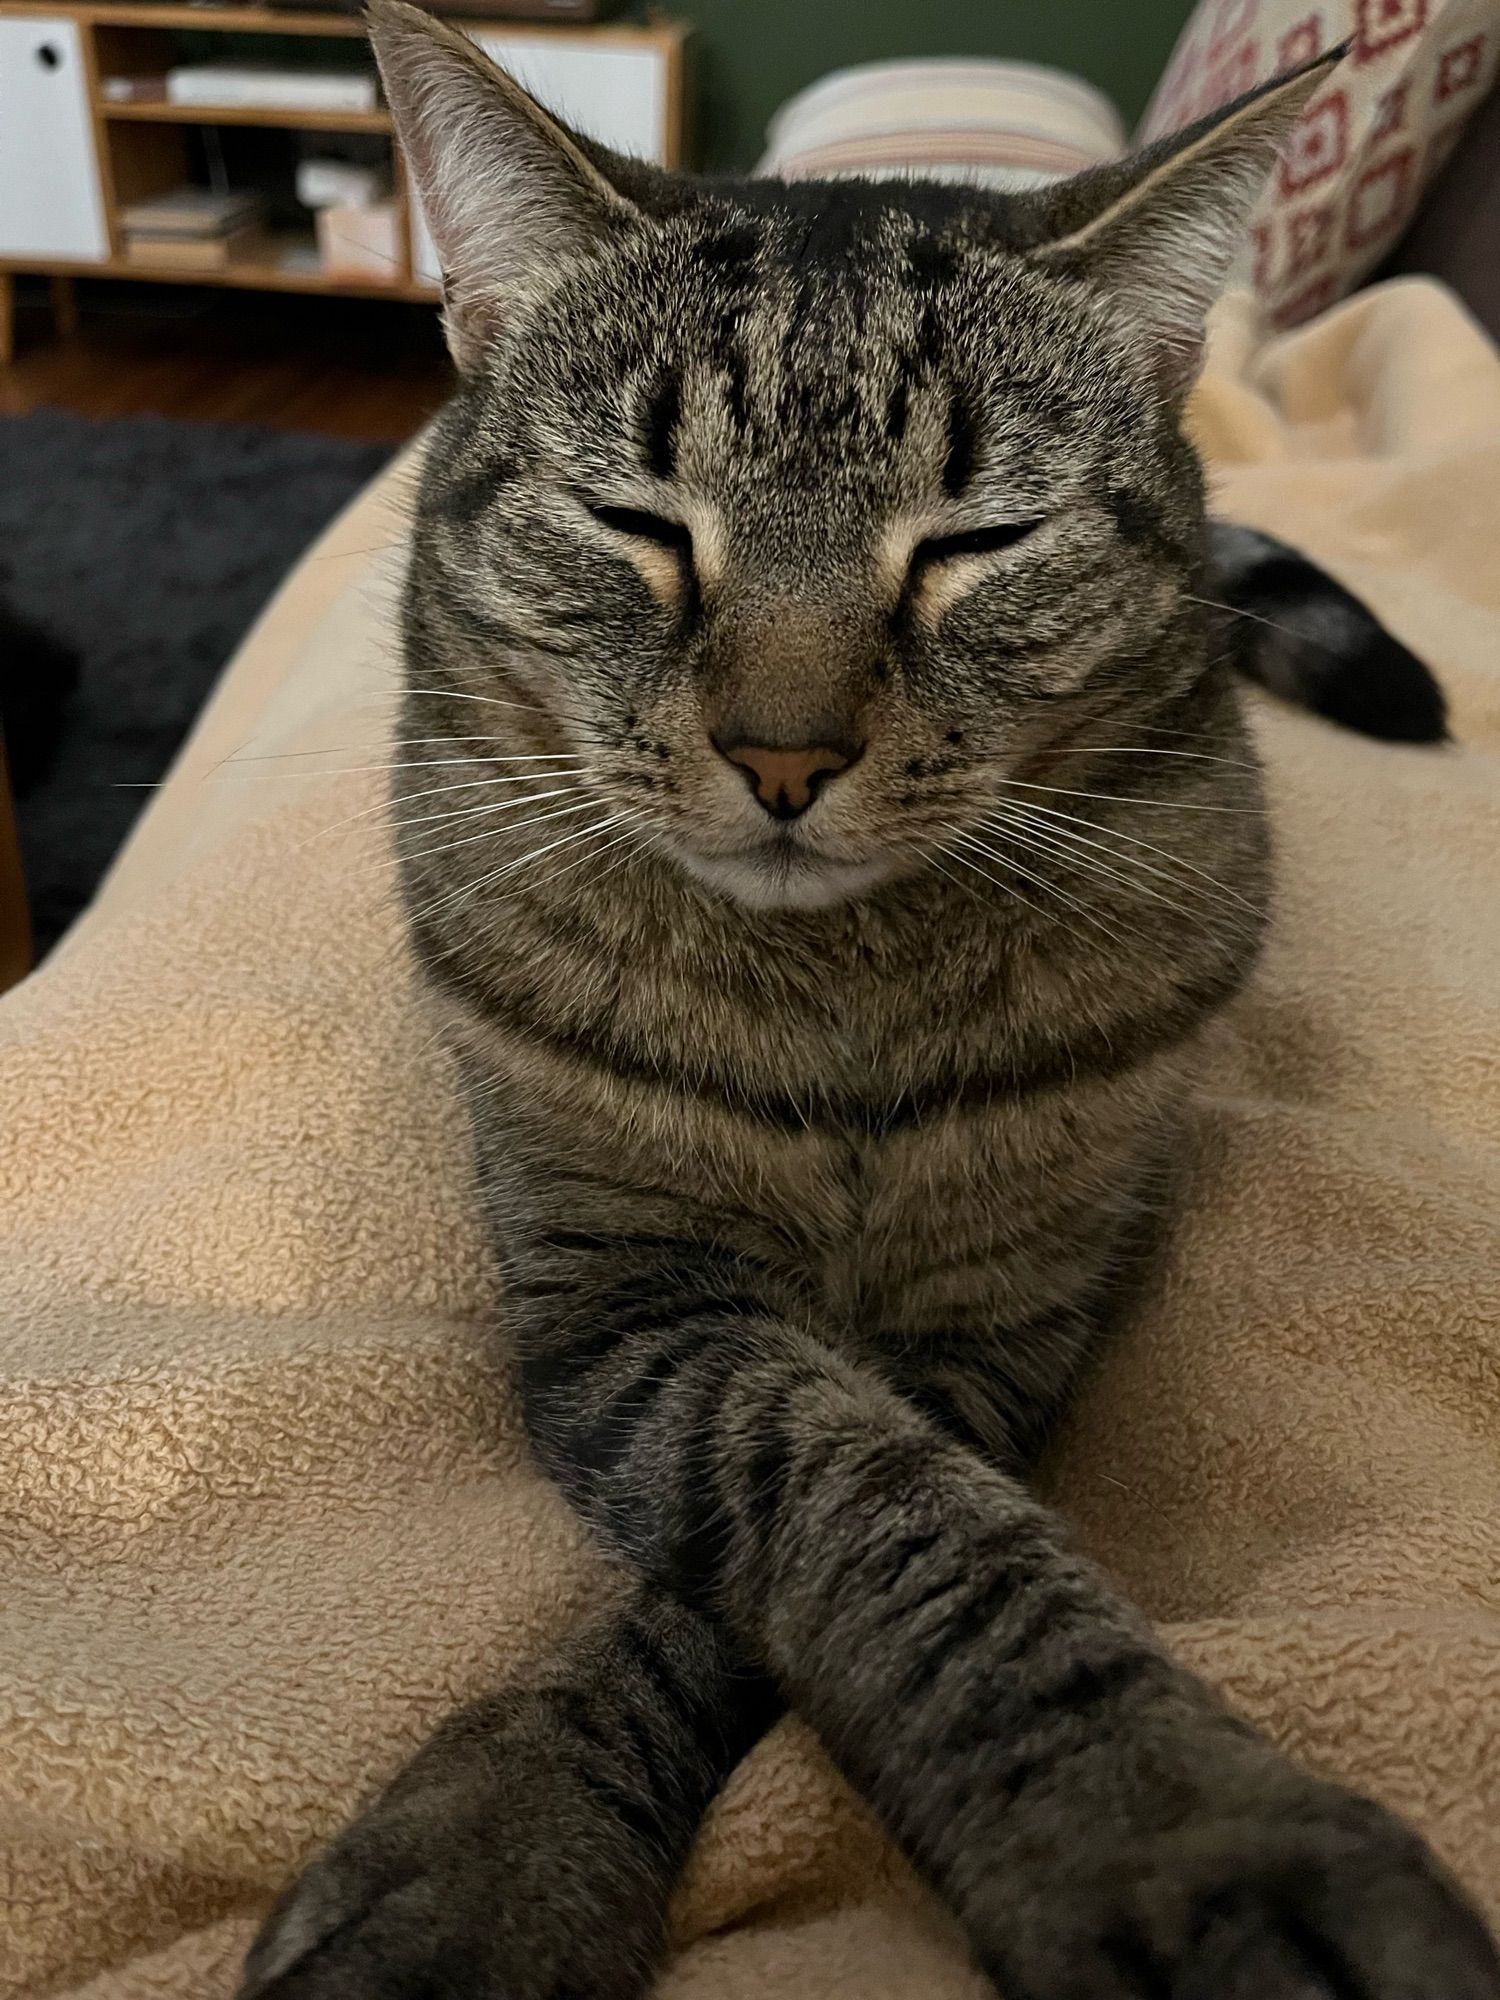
(810, 515)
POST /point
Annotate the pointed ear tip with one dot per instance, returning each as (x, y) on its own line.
(404, 37)
(1316, 67)
(397, 17)
(1282, 96)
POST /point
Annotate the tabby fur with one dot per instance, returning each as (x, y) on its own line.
(819, 1152)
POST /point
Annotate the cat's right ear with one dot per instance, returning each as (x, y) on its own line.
(1158, 233)
(508, 192)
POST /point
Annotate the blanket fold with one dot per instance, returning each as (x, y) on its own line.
(267, 1512)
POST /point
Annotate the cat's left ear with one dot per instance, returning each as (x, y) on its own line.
(509, 193)
(1159, 233)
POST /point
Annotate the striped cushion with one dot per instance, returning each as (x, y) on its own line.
(1006, 124)
(1367, 147)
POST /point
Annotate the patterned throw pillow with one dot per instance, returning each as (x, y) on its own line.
(1368, 144)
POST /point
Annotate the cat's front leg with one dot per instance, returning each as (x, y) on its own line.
(1103, 1827)
(528, 1851)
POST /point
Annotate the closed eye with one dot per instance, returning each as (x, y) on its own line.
(644, 527)
(973, 542)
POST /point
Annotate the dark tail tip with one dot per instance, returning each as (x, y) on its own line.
(1302, 635)
(1380, 687)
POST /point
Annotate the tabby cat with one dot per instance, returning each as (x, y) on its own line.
(827, 823)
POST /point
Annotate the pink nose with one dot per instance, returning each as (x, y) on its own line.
(786, 781)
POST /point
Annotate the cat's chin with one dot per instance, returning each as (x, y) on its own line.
(778, 879)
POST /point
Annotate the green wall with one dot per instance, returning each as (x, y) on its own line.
(752, 54)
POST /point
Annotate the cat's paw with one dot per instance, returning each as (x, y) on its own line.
(451, 1893)
(1324, 1897)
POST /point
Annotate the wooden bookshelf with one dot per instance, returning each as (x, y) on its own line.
(288, 21)
(80, 158)
(152, 113)
(252, 274)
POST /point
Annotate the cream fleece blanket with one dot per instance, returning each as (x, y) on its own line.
(266, 1516)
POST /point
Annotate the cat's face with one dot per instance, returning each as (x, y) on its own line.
(810, 519)
(737, 494)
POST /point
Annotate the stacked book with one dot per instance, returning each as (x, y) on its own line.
(193, 229)
(263, 87)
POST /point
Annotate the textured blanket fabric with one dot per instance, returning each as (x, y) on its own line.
(267, 1513)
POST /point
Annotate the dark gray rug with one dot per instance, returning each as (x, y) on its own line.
(144, 547)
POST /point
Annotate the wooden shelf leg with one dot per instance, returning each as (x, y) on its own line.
(15, 924)
(7, 318)
(64, 307)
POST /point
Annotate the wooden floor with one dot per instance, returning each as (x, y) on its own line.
(350, 368)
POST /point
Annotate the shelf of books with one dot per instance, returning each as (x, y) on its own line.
(178, 144)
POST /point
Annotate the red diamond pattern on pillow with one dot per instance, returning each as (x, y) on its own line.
(1385, 24)
(1390, 114)
(1320, 144)
(1460, 68)
(1310, 238)
(1367, 145)
(1231, 19)
(1301, 44)
(1381, 199)
(1238, 70)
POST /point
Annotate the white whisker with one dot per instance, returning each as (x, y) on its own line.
(496, 805)
(466, 890)
(930, 860)
(488, 700)
(449, 846)
(1053, 841)
(385, 804)
(1161, 729)
(331, 750)
(1124, 799)
(354, 749)
(414, 764)
(1255, 618)
(1007, 889)
(1148, 750)
(629, 835)
(550, 711)
(1051, 813)
(1050, 888)
(1064, 845)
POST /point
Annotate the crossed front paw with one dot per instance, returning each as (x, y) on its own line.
(1317, 1895)
(455, 1895)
